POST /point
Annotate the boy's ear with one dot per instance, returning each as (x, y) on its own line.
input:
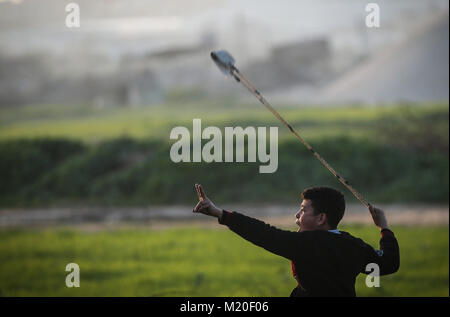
(322, 218)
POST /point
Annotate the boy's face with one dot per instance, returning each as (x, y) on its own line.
(305, 217)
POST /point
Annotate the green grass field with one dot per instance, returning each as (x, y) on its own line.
(193, 261)
(81, 155)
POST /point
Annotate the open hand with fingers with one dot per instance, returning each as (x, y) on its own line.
(378, 217)
(205, 205)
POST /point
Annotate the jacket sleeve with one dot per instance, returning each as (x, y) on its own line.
(287, 244)
(388, 257)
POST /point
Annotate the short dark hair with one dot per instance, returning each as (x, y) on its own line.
(328, 201)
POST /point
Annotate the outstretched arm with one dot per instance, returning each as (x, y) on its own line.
(284, 243)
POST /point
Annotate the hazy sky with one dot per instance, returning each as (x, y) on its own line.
(253, 24)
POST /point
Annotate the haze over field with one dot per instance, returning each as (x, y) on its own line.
(142, 52)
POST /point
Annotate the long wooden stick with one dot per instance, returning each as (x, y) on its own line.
(241, 78)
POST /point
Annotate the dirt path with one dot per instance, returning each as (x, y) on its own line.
(170, 216)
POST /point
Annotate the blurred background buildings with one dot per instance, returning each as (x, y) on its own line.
(141, 52)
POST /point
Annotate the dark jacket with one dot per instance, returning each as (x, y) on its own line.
(326, 263)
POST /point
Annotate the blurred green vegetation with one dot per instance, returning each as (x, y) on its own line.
(120, 156)
(194, 262)
(91, 124)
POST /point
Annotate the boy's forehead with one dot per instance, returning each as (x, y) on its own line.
(306, 203)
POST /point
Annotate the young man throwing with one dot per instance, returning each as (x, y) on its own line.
(325, 261)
